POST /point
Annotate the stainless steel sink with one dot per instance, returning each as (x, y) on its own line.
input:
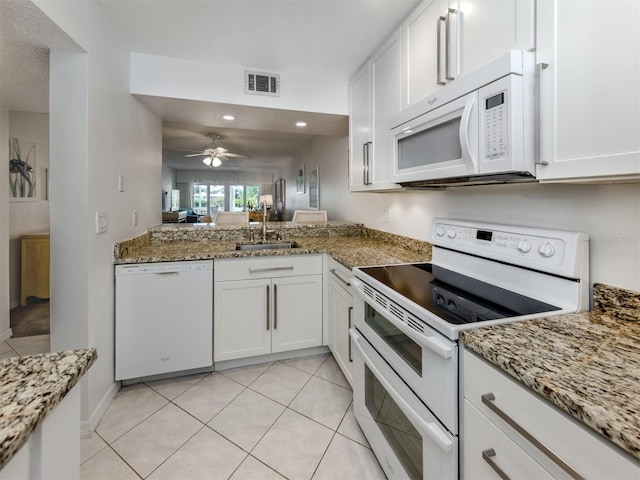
(266, 246)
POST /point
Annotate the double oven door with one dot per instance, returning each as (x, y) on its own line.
(405, 390)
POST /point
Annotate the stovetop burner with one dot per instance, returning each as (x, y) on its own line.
(455, 298)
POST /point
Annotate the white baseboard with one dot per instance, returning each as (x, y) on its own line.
(6, 335)
(88, 426)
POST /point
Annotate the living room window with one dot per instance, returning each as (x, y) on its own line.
(210, 198)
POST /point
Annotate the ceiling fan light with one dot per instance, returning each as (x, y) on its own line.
(207, 161)
(216, 162)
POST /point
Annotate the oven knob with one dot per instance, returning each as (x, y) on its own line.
(451, 305)
(440, 301)
(546, 250)
(451, 233)
(524, 246)
(440, 231)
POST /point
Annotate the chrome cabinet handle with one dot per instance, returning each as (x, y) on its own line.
(488, 399)
(333, 270)
(487, 456)
(349, 336)
(268, 305)
(365, 163)
(448, 43)
(269, 269)
(538, 111)
(275, 306)
(439, 49)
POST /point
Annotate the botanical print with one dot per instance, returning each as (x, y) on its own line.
(300, 180)
(22, 169)
(314, 197)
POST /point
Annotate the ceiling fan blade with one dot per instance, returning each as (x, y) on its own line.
(201, 154)
(236, 155)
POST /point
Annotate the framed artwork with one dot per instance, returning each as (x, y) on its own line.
(300, 180)
(22, 170)
(314, 190)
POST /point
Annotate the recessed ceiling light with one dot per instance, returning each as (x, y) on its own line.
(301, 124)
(228, 117)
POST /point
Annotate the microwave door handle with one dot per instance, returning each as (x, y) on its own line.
(439, 49)
(467, 153)
(428, 429)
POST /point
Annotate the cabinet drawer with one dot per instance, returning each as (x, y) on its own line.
(577, 445)
(266, 267)
(340, 273)
(486, 450)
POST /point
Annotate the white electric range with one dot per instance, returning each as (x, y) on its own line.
(407, 363)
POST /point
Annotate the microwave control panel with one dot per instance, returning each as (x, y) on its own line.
(495, 122)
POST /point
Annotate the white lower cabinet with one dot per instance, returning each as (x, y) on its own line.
(511, 432)
(340, 304)
(266, 305)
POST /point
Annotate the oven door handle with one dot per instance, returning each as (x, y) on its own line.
(428, 341)
(429, 429)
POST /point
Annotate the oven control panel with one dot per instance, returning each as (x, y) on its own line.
(525, 246)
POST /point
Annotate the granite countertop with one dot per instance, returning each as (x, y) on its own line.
(587, 364)
(32, 386)
(351, 251)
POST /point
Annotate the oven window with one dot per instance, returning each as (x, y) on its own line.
(438, 144)
(408, 350)
(400, 434)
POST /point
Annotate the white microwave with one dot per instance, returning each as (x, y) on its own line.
(479, 129)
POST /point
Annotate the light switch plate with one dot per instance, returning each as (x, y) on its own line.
(121, 183)
(102, 222)
(134, 220)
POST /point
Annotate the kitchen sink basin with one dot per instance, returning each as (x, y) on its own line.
(266, 246)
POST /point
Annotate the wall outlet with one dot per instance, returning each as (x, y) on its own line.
(102, 222)
(121, 183)
(134, 219)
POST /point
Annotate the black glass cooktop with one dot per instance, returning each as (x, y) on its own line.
(455, 298)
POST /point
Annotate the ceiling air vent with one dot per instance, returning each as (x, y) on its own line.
(260, 83)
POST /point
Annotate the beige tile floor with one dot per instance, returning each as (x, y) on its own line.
(15, 347)
(290, 419)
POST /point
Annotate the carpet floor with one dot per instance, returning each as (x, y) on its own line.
(32, 319)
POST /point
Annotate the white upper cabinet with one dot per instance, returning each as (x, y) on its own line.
(443, 39)
(374, 96)
(360, 133)
(424, 38)
(490, 28)
(590, 90)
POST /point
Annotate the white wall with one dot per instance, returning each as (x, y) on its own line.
(98, 132)
(610, 214)
(5, 330)
(31, 216)
(168, 184)
(188, 79)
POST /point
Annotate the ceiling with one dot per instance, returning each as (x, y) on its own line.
(26, 35)
(311, 36)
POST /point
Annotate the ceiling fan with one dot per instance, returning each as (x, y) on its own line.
(213, 155)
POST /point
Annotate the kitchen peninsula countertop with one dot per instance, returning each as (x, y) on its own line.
(587, 364)
(359, 247)
(32, 386)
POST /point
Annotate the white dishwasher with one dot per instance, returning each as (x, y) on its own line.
(164, 318)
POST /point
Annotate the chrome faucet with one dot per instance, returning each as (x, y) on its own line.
(264, 223)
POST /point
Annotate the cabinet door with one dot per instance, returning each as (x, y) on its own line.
(241, 313)
(359, 125)
(297, 313)
(489, 28)
(341, 309)
(590, 91)
(487, 450)
(420, 52)
(386, 68)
